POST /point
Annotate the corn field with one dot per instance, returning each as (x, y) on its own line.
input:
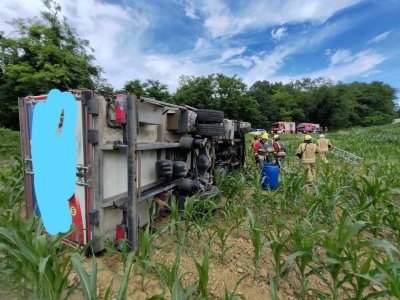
(336, 239)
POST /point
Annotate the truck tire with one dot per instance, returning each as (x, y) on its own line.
(209, 116)
(210, 129)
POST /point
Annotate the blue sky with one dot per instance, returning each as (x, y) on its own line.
(272, 40)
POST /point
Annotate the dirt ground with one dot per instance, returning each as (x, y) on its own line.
(237, 264)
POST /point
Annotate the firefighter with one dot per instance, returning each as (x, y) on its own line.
(306, 152)
(279, 150)
(324, 145)
(270, 148)
(260, 150)
(256, 139)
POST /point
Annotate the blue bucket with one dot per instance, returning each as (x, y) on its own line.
(270, 174)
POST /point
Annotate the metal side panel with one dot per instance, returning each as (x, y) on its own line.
(114, 177)
(78, 202)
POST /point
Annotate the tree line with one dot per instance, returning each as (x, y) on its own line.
(47, 53)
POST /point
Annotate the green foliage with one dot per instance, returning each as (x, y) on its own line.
(9, 146)
(150, 88)
(33, 264)
(88, 282)
(11, 186)
(219, 92)
(46, 53)
(320, 101)
(202, 270)
(233, 295)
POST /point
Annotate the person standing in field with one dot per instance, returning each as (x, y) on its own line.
(256, 139)
(270, 148)
(279, 151)
(324, 145)
(306, 152)
(253, 142)
(260, 150)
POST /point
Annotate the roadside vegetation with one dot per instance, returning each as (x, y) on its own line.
(336, 239)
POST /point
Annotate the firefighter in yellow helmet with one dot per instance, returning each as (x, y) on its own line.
(306, 152)
(260, 150)
(324, 145)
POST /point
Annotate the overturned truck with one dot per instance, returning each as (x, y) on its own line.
(133, 153)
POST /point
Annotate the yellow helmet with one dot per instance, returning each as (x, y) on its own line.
(276, 136)
(265, 136)
(307, 137)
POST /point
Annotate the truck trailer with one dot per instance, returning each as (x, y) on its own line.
(134, 155)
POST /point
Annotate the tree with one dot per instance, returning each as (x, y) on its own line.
(151, 88)
(45, 53)
(157, 90)
(197, 91)
(219, 92)
(134, 87)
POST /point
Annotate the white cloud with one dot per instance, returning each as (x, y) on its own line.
(379, 38)
(232, 52)
(362, 64)
(266, 65)
(242, 62)
(221, 21)
(190, 9)
(340, 56)
(359, 64)
(278, 33)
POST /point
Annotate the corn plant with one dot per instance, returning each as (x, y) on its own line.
(88, 282)
(358, 276)
(303, 237)
(169, 275)
(257, 239)
(273, 288)
(258, 199)
(223, 234)
(11, 186)
(208, 235)
(145, 252)
(338, 247)
(278, 244)
(233, 295)
(202, 271)
(387, 271)
(233, 211)
(34, 264)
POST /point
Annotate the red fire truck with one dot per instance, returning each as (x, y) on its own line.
(284, 127)
(307, 127)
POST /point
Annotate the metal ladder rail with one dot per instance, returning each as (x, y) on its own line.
(351, 157)
(346, 155)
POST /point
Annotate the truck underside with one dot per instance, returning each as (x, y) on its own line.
(132, 155)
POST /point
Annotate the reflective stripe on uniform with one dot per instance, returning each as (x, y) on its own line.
(270, 145)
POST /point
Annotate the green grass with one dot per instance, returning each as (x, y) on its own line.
(10, 146)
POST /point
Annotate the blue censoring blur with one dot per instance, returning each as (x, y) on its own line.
(54, 158)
